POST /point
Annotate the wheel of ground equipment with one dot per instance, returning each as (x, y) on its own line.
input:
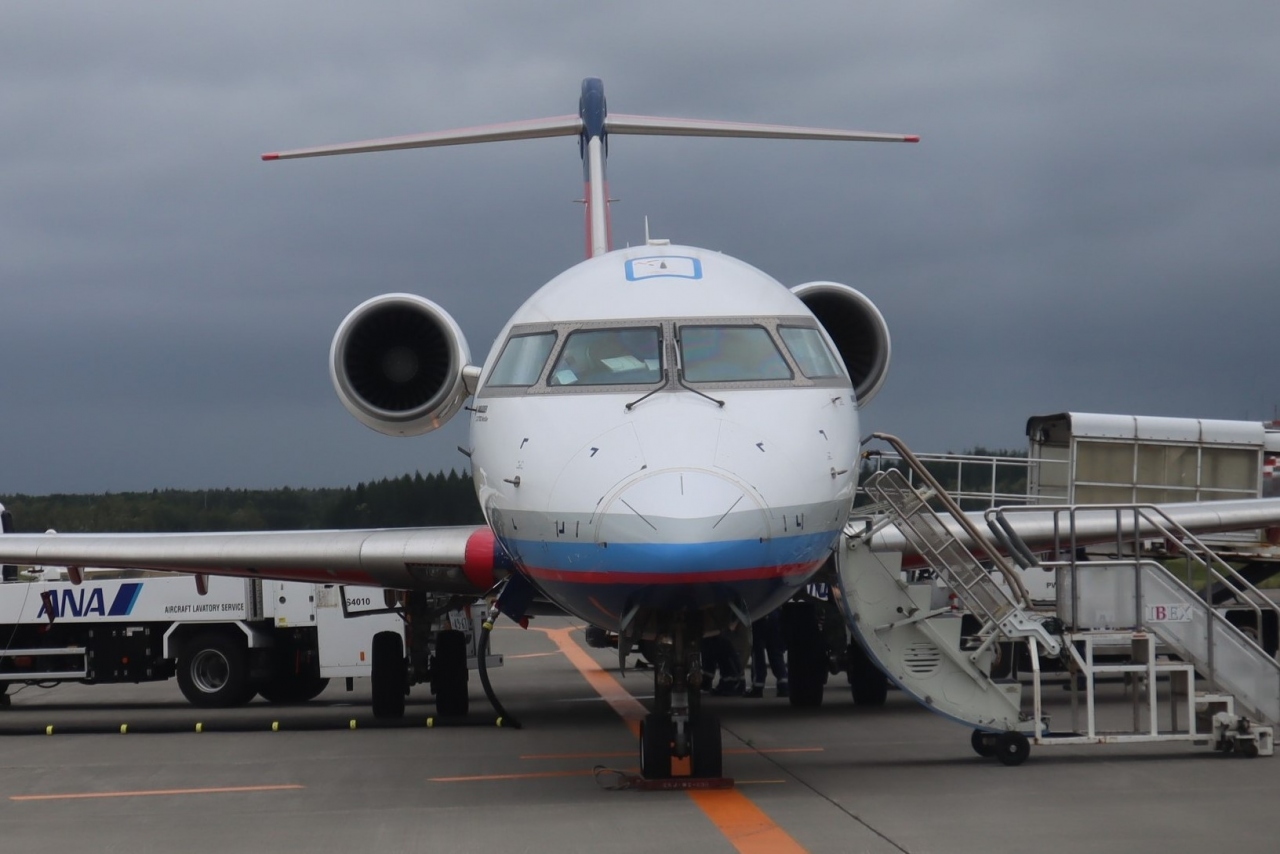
(806, 654)
(983, 743)
(449, 673)
(292, 688)
(1248, 748)
(867, 684)
(655, 747)
(388, 675)
(1012, 748)
(708, 757)
(213, 671)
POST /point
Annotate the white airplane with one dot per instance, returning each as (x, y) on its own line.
(664, 442)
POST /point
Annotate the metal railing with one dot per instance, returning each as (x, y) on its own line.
(1136, 525)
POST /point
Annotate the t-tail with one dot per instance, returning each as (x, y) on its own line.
(592, 126)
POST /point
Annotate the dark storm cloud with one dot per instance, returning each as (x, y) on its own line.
(1088, 224)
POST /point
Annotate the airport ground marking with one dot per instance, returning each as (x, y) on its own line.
(747, 827)
(535, 775)
(616, 754)
(736, 751)
(210, 790)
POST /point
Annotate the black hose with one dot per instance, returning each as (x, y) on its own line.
(482, 653)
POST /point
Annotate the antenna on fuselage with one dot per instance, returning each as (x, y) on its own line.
(592, 126)
(653, 241)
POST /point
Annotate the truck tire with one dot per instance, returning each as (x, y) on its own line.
(293, 688)
(213, 671)
(449, 675)
(389, 675)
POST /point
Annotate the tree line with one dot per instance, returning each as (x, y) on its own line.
(406, 501)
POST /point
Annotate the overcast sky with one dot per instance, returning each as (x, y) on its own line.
(1091, 221)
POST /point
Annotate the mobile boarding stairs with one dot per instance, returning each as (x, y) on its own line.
(1168, 634)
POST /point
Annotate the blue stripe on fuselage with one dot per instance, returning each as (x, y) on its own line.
(660, 558)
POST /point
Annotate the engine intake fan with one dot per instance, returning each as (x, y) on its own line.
(399, 364)
(858, 330)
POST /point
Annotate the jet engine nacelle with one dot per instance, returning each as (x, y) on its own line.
(857, 328)
(401, 365)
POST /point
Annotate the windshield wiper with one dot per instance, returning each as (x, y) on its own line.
(647, 395)
(687, 387)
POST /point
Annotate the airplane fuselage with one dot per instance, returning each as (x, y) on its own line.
(677, 433)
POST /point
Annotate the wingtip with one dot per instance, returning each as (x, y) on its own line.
(272, 156)
(905, 139)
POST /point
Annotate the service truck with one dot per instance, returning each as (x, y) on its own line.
(235, 639)
(230, 639)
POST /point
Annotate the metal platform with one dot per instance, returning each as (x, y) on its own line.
(912, 626)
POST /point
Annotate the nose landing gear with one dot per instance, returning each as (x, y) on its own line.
(678, 727)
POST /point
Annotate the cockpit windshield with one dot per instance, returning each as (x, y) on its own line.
(603, 357)
(712, 354)
(810, 351)
(522, 359)
(629, 356)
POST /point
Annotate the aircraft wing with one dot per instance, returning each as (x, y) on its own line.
(464, 559)
(1044, 529)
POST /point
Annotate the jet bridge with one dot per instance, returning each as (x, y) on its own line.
(911, 624)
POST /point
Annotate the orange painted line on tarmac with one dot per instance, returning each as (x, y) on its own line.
(744, 824)
(71, 796)
(532, 776)
(631, 710)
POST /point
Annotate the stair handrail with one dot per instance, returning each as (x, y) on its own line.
(1158, 524)
(1012, 578)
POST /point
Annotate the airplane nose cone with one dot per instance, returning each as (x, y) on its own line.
(682, 506)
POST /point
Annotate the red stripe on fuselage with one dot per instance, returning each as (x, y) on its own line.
(705, 577)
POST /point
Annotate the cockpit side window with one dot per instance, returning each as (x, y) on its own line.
(522, 360)
(810, 351)
(609, 357)
(713, 354)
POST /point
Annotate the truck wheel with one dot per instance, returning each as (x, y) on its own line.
(806, 654)
(389, 676)
(213, 672)
(293, 688)
(449, 675)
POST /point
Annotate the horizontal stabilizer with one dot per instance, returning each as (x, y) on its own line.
(656, 126)
(531, 129)
(573, 125)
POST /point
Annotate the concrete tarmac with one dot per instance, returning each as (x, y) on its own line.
(834, 779)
